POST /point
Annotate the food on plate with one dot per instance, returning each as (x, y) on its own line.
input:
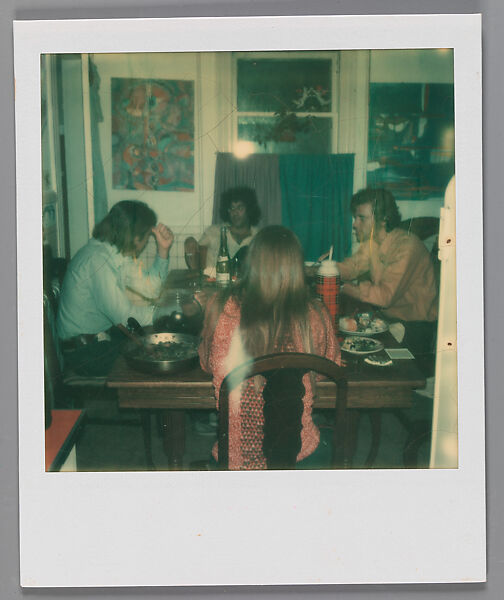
(166, 351)
(361, 345)
(364, 319)
(348, 324)
(378, 360)
(376, 326)
(373, 327)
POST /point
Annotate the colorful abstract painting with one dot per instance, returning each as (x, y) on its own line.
(152, 134)
(411, 148)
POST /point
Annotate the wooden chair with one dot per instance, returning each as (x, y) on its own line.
(423, 227)
(64, 388)
(283, 373)
(194, 254)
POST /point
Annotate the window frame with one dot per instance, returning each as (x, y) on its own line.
(333, 55)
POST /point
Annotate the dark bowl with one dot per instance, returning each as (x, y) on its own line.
(141, 361)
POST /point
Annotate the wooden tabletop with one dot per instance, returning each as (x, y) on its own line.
(401, 372)
(368, 386)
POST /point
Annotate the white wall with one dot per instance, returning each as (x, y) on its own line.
(414, 66)
(73, 129)
(353, 111)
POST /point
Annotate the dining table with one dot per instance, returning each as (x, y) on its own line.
(370, 389)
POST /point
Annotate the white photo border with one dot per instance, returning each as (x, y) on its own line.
(303, 527)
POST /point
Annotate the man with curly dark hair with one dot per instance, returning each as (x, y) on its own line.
(240, 213)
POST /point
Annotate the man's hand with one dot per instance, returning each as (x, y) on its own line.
(350, 290)
(164, 239)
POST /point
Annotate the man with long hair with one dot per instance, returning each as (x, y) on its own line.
(393, 268)
(269, 310)
(93, 297)
(240, 213)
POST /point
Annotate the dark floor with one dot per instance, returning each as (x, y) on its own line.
(112, 438)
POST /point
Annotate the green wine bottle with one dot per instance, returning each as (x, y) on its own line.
(223, 266)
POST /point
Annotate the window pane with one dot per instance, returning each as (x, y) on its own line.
(269, 137)
(269, 85)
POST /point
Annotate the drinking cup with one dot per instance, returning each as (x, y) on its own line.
(328, 286)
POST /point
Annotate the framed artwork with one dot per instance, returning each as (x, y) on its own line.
(152, 134)
(411, 148)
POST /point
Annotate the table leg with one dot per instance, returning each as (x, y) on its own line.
(173, 423)
(345, 439)
(147, 439)
(419, 434)
(338, 450)
(375, 418)
(352, 425)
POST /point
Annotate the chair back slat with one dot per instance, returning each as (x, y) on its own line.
(268, 364)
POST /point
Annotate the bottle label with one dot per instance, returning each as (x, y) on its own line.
(223, 275)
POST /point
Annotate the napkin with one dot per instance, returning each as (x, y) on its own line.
(398, 353)
(210, 272)
(397, 330)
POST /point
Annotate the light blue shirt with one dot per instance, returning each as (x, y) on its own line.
(93, 296)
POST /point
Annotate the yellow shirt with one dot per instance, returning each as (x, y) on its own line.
(400, 277)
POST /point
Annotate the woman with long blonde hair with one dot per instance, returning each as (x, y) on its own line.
(269, 310)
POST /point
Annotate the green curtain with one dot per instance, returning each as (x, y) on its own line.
(316, 193)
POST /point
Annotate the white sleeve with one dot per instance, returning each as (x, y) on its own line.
(147, 282)
(112, 301)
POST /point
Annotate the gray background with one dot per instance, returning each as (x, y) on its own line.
(493, 95)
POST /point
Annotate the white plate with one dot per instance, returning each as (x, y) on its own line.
(361, 345)
(376, 327)
(377, 362)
